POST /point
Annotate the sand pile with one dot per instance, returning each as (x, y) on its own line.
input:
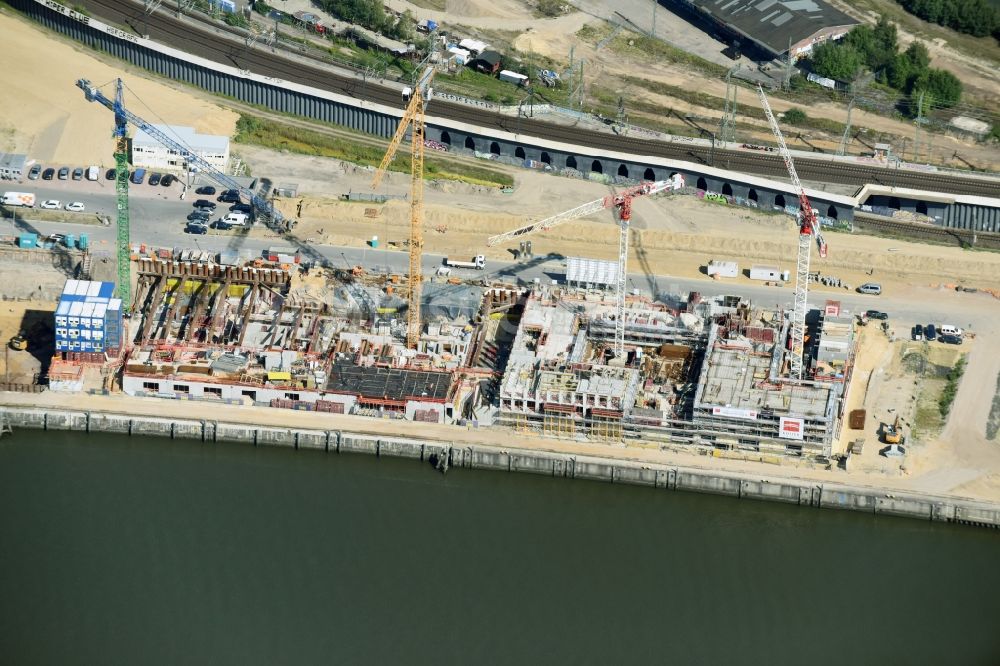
(44, 114)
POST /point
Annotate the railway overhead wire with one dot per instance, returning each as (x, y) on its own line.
(203, 40)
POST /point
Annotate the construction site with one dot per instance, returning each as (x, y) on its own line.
(578, 358)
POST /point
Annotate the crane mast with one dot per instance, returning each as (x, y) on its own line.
(123, 117)
(413, 117)
(622, 203)
(808, 227)
(123, 288)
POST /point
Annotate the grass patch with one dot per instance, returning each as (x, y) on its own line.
(642, 48)
(746, 109)
(278, 136)
(27, 215)
(951, 388)
(993, 420)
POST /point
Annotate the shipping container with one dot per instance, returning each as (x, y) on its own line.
(763, 272)
(27, 240)
(729, 269)
(513, 77)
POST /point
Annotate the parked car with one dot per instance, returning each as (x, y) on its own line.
(204, 203)
(198, 215)
(110, 175)
(221, 225)
(48, 174)
(56, 238)
(78, 173)
(230, 196)
(918, 332)
(35, 172)
(930, 332)
(63, 173)
(206, 189)
(168, 180)
(951, 339)
(241, 208)
(154, 179)
(52, 204)
(75, 206)
(876, 314)
(872, 288)
(196, 228)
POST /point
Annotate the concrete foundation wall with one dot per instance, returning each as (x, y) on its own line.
(830, 495)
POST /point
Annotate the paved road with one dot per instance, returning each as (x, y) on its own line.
(158, 217)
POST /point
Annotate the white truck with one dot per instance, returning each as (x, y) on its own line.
(93, 172)
(478, 262)
(26, 199)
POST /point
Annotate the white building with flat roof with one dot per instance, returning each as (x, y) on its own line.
(149, 153)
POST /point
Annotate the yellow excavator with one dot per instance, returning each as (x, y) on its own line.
(892, 434)
(19, 342)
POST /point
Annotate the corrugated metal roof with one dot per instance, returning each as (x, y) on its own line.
(772, 23)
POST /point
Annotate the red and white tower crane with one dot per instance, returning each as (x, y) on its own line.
(622, 203)
(808, 227)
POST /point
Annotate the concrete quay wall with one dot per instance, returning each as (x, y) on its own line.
(669, 477)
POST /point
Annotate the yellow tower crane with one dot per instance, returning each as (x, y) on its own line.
(413, 117)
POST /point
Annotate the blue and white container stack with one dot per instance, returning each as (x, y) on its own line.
(88, 318)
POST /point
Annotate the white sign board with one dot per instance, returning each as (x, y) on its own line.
(734, 412)
(591, 271)
(791, 428)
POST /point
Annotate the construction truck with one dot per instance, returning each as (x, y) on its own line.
(892, 434)
(478, 262)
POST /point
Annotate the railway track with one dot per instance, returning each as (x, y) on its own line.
(202, 40)
(926, 232)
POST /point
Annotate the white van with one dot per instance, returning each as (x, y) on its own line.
(948, 329)
(237, 219)
(870, 288)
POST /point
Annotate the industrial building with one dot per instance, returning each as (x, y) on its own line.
(148, 152)
(769, 26)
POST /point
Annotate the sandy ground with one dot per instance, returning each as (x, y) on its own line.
(44, 114)
(675, 235)
(33, 318)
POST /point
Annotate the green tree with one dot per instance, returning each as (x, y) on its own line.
(943, 86)
(794, 116)
(918, 56)
(899, 72)
(836, 61)
(550, 7)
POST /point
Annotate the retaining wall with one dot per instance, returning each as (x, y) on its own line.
(668, 477)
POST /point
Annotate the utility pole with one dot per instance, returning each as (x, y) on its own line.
(788, 67)
(621, 120)
(727, 125)
(652, 33)
(916, 133)
(842, 150)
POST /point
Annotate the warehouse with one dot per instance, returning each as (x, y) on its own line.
(768, 28)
